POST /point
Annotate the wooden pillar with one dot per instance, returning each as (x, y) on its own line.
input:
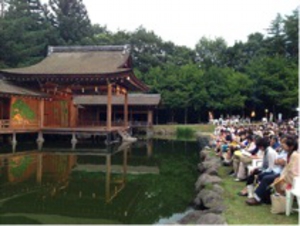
(149, 148)
(12, 100)
(126, 109)
(109, 107)
(73, 114)
(39, 168)
(42, 113)
(108, 174)
(150, 118)
(125, 162)
(71, 162)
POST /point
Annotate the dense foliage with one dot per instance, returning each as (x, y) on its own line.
(249, 76)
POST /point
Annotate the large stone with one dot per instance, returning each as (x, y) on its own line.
(200, 168)
(204, 154)
(211, 218)
(210, 158)
(216, 209)
(212, 171)
(218, 189)
(212, 163)
(197, 202)
(205, 179)
(209, 198)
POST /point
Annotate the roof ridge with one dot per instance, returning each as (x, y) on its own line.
(59, 49)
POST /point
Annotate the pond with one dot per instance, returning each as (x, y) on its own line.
(146, 182)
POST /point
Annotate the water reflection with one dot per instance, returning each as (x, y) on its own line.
(127, 183)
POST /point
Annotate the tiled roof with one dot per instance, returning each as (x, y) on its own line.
(6, 88)
(80, 60)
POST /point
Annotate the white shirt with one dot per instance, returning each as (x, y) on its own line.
(281, 155)
(271, 156)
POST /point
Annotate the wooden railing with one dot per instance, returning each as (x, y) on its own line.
(114, 123)
(24, 124)
(4, 123)
(87, 123)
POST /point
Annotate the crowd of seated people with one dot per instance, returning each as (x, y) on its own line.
(275, 146)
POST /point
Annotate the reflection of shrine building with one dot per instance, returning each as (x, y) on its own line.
(82, 185)
(35, 166)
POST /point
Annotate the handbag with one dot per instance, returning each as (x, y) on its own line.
(278, 203)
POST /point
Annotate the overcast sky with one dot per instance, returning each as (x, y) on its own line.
(184, 22)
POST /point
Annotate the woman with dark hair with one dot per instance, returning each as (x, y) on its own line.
(282, 172)
(291, 170)
(267, 168)
(274, 142)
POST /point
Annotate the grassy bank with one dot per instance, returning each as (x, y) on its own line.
(205, 128)
(238, 212)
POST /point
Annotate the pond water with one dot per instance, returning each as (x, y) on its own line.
(147, 182)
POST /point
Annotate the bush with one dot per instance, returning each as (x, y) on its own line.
(184, 132)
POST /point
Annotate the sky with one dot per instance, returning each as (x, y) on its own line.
(184, 22)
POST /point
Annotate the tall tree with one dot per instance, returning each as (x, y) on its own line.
(276, 43)
(71, 19)
(23, 40)
(211, 52)
(275, 83)
(291, 38)
(227, 90)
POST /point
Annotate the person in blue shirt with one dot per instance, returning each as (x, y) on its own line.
(274, 143)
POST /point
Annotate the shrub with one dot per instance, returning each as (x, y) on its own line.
(184, 132)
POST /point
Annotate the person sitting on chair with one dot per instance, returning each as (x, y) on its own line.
(262, 192)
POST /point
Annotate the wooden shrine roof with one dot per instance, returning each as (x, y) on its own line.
(8, 89)
(79, 60)
(133, 99)
(100, 64)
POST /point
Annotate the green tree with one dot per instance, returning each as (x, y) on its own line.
(211, 52)
(240, 54)
(71, 19)
(291, 38)
(227, 90)
(276, 43)
(275, 83)
(23, 28)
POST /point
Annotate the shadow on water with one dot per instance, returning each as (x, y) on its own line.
(131, 183)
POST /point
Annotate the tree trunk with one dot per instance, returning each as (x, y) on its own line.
(172, 115)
